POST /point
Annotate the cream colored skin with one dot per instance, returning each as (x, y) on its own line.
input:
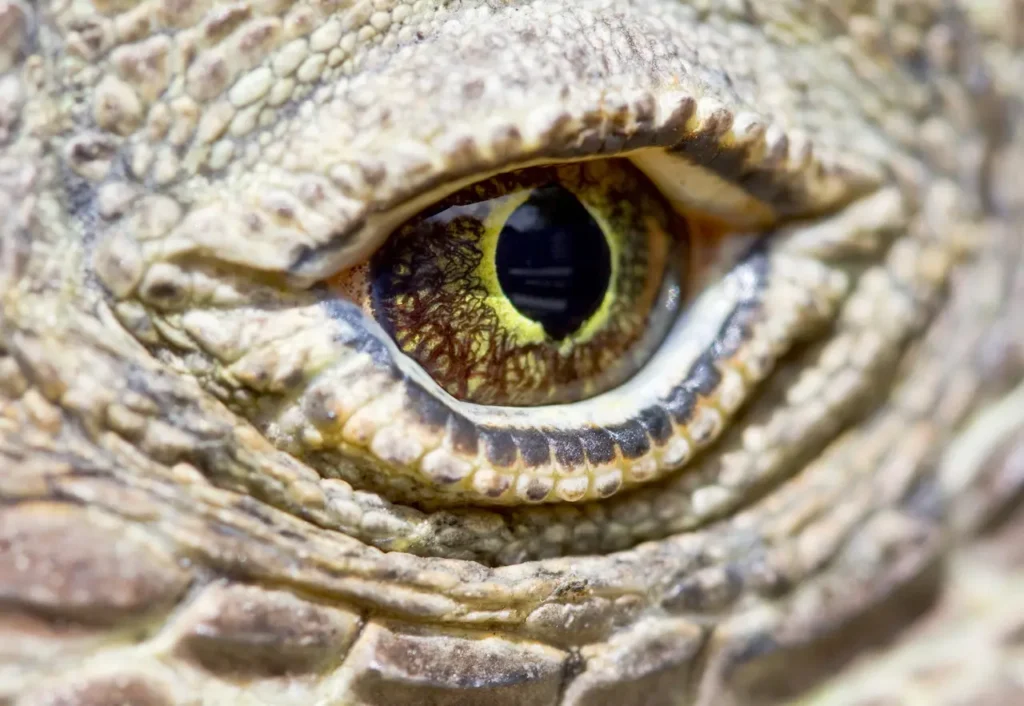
(213, 494)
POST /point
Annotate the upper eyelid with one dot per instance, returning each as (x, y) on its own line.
(734, 166)
(357, 154)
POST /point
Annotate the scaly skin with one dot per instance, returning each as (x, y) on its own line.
(218, 489)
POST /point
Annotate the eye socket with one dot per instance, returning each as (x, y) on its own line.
(538, 286)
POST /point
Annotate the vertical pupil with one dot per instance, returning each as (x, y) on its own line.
(553, 261)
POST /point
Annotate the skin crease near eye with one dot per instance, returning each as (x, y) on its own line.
(539, 286)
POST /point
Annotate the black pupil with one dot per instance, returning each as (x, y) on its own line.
(553, 261)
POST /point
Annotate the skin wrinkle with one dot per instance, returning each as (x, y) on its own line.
(172, 372)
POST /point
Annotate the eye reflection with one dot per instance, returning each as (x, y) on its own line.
(553, 261)
(545, 285)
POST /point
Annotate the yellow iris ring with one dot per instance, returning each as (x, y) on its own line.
(524, 329)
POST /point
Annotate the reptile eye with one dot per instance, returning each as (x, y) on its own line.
(545, 285)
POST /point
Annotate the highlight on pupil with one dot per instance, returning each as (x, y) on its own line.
(553, 262)
(540, 286)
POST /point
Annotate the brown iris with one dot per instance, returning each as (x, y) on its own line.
(545, 285)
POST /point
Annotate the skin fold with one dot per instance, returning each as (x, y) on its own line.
(222, 481)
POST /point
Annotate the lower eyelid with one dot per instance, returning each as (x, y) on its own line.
(741, 350)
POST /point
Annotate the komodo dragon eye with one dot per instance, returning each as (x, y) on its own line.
(552, 299)
(538, 286)
(559, 332)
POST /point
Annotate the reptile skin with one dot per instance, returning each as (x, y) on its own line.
(220, 485)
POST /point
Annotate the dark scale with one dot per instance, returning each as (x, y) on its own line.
(553, 261)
